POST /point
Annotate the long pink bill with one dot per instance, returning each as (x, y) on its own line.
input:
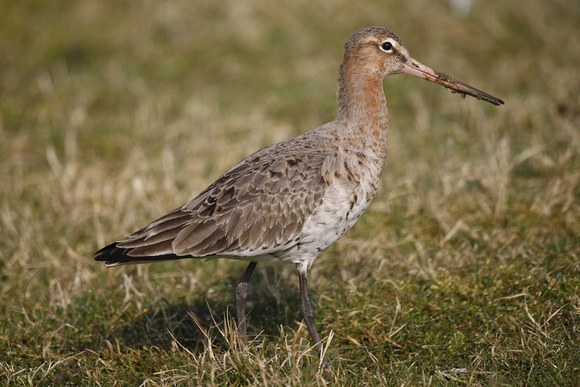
(418, 69)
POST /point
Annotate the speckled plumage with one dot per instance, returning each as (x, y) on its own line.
(290, 201)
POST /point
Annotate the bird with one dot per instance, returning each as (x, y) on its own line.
(290, 201)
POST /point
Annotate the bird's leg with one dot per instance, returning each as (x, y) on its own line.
(241, 296)
(308, 313)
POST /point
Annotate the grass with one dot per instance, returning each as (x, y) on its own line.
(465, 270)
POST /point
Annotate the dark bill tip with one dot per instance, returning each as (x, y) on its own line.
(417, 69)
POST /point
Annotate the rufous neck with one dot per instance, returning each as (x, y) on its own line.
(360, 93)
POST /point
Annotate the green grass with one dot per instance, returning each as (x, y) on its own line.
(465, 270)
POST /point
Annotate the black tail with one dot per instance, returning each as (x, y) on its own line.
(113, 255)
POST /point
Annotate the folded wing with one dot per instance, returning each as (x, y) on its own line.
(256, 208)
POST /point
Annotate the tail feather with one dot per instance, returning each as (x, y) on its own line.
(114, 255)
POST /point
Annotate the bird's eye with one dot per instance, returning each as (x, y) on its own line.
(387, 46)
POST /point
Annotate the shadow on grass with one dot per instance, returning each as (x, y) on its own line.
(269, 306)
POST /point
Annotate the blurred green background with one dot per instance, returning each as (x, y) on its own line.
(464, 270)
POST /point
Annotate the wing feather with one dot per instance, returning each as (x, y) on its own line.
(259, 205)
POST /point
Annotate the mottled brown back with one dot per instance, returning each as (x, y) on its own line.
(257, 207)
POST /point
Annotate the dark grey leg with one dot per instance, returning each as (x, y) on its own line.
(308, 314)
(241, 296)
